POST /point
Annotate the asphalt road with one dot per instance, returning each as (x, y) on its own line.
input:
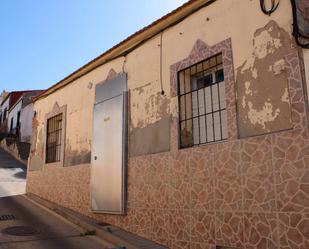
(27, 225)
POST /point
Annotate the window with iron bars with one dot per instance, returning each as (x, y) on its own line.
(53, 139)
(202, 105)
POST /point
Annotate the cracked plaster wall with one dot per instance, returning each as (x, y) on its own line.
(262, 84)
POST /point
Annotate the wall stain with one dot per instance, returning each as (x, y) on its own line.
(148, 105)
(36, 157)
(75, 157)
(150, 132)
(262, 84)
(153, 138)
(140, 89)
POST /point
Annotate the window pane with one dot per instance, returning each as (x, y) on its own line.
(210, 132)
(224, 124)
(215, 98)
(196, 134)
(199, 67)
(187, 81)
(219, 75)
(222, 95)
(219, 59)
(217, 126)
(208, 100)
(188, 106)
(194, 104)
(201, 101)
(181, 82)
(213, 62)
(203, 129)
(182, 108)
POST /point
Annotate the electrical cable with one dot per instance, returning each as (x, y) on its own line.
(161, 82)
(272, 9)
(296, 33)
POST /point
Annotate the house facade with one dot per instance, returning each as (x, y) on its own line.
(205, 114)
(8, 102)
(20, 116)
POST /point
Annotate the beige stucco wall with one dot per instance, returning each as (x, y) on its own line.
(143, 65)
(235, 19)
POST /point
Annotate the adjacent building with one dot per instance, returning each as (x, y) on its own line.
(192, 132)
(20, 116)
(11, 108)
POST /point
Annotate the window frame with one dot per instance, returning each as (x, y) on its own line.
(51, 130)
(55, 111)
(218, 67)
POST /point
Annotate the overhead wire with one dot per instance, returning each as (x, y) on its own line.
(272, 8)
(301, 39)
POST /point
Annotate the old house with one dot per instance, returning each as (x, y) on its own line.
(8, 101)
(192, 132)
(20, 116)
(16, 113)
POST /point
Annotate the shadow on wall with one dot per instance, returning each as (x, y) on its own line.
(19, 150)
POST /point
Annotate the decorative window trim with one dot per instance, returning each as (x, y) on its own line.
(56, 111)
(200, 52)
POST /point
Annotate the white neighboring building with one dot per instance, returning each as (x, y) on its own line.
(4, 108)
(26, 123)
(20, 117)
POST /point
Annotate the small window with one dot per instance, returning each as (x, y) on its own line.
(18, 120)
(5, 113)
(53, 139)
(202, 105)
(11, 125)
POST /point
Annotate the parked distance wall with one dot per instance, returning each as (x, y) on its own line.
(246, 192)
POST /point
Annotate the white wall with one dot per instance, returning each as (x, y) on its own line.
(26, 123)
(3, 107)
(13, 114)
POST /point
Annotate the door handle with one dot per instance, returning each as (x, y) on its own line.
(95, 157)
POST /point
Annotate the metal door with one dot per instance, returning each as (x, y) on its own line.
(108, 168)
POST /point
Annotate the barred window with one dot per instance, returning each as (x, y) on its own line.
(53, 139)
(202, 105)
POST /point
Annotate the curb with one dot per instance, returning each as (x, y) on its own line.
(112, 236)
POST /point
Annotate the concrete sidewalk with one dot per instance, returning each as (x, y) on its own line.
(45, 229)
(12, 175)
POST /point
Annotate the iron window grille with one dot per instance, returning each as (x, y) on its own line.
(53, 139)
(202, 105)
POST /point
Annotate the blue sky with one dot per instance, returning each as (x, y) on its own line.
(41, 42)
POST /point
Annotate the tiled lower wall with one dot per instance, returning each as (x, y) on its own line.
(249, 193)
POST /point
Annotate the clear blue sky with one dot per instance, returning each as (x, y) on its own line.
(42, 41)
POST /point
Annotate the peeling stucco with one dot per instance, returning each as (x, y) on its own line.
(150, 118)
(153, 138)
(148, 105)
(262, 84)
(37, 148)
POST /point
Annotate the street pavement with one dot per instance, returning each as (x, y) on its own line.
(12, 175)
(36, 226)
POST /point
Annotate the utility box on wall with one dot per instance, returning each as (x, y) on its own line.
(109, 147)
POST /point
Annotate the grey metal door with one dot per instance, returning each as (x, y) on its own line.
(108, 168)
